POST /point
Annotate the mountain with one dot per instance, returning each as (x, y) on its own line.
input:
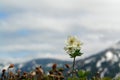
(44, 63)
(106, 62)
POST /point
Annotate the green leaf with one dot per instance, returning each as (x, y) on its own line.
(82, 73)
(108, 78)
(76, 53)
(73, 78)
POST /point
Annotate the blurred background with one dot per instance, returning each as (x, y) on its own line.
(32, 29)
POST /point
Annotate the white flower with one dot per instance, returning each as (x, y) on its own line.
(72, 44)
(71, 40)
(69, 49)
(77, 44)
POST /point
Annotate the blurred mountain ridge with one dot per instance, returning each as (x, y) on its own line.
(107, 62)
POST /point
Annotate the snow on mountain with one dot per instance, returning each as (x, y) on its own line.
(107, 62)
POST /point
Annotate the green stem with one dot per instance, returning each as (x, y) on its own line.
(73, 66)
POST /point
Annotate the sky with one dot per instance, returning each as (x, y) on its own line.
(39, 28)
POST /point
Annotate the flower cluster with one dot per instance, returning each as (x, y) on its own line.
(55, 73)
(73, 46)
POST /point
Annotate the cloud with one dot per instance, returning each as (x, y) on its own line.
(35, 22)
(45, 4)
(42, 25)
(28, 47)
(97, 15)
